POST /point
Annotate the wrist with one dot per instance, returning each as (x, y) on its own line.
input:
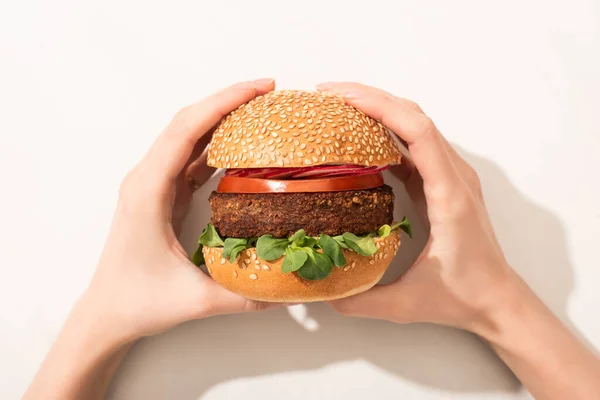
(507, 304)
(82, 358)
(94, 323)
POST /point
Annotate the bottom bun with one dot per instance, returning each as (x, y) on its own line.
(256, 279)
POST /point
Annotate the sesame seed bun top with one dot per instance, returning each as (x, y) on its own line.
(291, 128)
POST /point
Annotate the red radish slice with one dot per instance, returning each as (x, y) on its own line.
(362, 171)
(323, 169)
(320, 171)
(278, 173)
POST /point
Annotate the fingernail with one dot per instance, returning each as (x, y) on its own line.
(325, 85)
(350, 94)
(347, 94)
(264, 81)
(245, 85)
(193, 184)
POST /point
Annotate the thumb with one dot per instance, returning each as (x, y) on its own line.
(221, 301)
(386, 302)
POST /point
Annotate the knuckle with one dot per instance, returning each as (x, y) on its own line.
(179, 121)
(413, 105)
(182, 114)
(461, 204)
(127, 184)
(473, 179)
(341, 307)
(133, 191)
(251, 306)
(426, 125)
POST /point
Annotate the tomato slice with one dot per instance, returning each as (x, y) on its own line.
(236, 184)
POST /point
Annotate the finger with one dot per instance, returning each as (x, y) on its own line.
(413, 183)
(467, 172)
(404, 171)
(374, 303)
(199, 172)
(171, 151)
(226, 302)
(185, 186)
(348, 85)
(199, 150)
(424, 140)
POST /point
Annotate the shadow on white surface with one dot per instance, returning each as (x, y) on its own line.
(186, 362)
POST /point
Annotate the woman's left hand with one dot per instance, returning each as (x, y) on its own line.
(145, 282)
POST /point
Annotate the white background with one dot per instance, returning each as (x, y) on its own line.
(85, 87)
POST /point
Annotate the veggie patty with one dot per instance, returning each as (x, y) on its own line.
(282, 214)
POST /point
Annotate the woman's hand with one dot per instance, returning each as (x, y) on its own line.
(461, 272)
(145, 283)
(461, 278)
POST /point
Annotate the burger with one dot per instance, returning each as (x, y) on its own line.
(302, 212)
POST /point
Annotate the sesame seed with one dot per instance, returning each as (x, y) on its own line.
(307, 117)
(266, 267)
(235, 274)
(222, 261)
(253, 276)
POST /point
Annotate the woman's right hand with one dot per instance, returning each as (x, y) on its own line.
(461, 275)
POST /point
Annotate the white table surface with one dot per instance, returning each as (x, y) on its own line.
(85, 87)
